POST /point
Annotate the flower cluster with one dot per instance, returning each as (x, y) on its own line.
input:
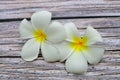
(60, 43)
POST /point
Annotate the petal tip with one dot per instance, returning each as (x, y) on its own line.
(28, 59)
(42, 12)
(77, 72)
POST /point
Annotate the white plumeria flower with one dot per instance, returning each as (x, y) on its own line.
(77, 51)
(42, 35)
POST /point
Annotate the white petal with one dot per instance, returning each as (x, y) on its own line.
(92, 35)
(26, 29)
(30, 50)
(50, 52)
(76, 63)
(71, 30)
(56, 32)
(64, 50)
(94, 54)
(41, 19)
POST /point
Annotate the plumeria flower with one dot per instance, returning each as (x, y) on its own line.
(77, 51)
(42, 35)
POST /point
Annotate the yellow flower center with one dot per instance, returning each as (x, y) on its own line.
(79, 44)
(40, 35)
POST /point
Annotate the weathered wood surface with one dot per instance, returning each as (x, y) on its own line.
(11, 9)
(102, 14)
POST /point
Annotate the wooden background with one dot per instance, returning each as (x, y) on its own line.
(104, 15)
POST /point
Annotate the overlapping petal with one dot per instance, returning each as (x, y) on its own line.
(26, 29)
(49, 52)
(65, 50)
(41, 19)
(30, 50)
(94, 54)
(56, 32)
(76, 63)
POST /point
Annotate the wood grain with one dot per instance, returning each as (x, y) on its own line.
(103, 15)
(17, 9)
(13, 67)
(111, 35)
(16, 67)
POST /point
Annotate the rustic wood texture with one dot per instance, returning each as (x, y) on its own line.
(11, 9)
(104, 15)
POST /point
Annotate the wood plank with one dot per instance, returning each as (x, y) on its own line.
(12, 48)
(10, 29)
(12, 68)
(11, 44)
(17, 9)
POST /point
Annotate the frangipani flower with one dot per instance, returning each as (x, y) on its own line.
(42, 35)
(77, 51)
